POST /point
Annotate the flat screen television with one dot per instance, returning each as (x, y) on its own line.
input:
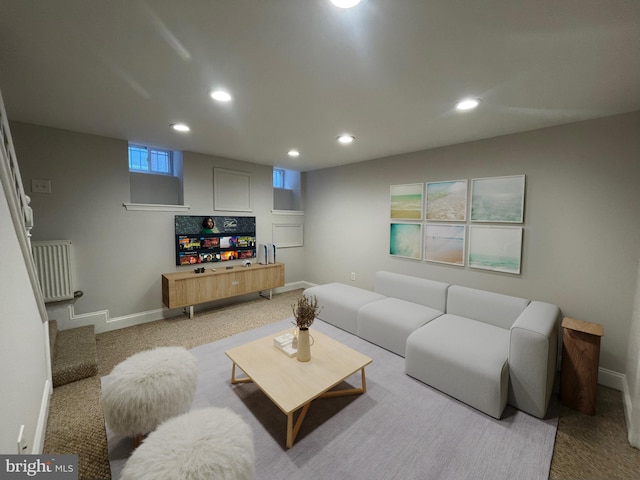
(208, 239)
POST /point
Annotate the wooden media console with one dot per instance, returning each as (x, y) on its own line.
(186, 289)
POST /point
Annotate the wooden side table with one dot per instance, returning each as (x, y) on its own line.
(580, 359)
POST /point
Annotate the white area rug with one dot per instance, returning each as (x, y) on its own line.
(399, 429)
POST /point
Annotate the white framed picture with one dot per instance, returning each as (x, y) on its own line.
(444, 243)
(498, 199)
(407, 201)
(405, 240)
(496, 248)
(447, 201)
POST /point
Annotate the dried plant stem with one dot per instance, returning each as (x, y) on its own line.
(305, 311)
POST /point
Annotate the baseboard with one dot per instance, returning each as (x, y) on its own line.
(103, 322)
(612, 379)
(43, 416)
(633, 431)
(294, 286)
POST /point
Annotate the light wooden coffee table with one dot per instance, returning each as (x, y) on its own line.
(293, 385)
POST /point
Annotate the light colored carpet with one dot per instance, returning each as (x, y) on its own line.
(399, 429)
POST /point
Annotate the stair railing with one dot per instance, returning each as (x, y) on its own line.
(21, 212)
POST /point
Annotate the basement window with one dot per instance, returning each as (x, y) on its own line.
(155, 176)
(287, 190)
(143, 159)
(278, 178)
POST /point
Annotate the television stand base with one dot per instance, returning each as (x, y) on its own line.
(270, 294)
(188, 311)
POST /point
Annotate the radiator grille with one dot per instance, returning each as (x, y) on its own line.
(53, 265)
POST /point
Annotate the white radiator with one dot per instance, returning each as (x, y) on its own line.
(53, 265)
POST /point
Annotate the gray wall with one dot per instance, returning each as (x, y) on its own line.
(158, 189)
(581, 231)
(119, 255)
(581, 241)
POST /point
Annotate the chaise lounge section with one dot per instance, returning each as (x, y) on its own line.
(482, 348)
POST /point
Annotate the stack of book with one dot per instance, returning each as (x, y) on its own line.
(285, 343)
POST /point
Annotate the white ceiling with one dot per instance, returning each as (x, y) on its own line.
(303, 71)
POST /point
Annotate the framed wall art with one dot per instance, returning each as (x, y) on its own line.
(498, 199)
(445, 243)
(405, 240)
(407, 201)
(447, 201)
(497, 248)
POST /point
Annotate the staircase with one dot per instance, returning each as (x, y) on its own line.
(73, 353)
(21, 212)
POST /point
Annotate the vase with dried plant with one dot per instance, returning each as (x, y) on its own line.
(305, 311)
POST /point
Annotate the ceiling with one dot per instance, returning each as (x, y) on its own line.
(301, 72)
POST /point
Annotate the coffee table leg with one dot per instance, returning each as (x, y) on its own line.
(364, 380)
(348, 391)
(292, 431)
(235, 380)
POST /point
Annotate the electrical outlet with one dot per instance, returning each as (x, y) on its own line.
(40, 186)
(353, 276)
(22, 442)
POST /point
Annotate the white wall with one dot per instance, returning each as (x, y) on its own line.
(633, 372)
(119, 255)
(581, 232)
(23, 365)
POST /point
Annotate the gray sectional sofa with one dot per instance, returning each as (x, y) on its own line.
(482, 348)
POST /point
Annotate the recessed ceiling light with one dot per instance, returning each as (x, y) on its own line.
(468, 104)
(220, 95)
(180, 127)
(345, 3)
(294, 153)
(346, 138)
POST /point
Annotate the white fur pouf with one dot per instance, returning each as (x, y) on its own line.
(206, 444)
(148, 388)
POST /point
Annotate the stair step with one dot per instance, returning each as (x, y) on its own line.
(75, 355)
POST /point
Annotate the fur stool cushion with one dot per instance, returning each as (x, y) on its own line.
(148, 388)
(205, 444)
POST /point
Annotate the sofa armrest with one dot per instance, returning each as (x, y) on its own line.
(533, 349)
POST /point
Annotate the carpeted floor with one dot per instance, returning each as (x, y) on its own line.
(399, 429)
(586, 448)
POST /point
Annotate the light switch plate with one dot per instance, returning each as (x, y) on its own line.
(40, 186)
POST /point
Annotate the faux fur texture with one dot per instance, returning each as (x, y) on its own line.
(206, 444)
(148, 388)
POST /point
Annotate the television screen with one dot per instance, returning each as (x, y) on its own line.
(205, 239)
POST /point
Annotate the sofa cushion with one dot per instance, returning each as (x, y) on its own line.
(488, 307)
(412, 289)
(340, 303)
(463, 358)
(389, 322)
